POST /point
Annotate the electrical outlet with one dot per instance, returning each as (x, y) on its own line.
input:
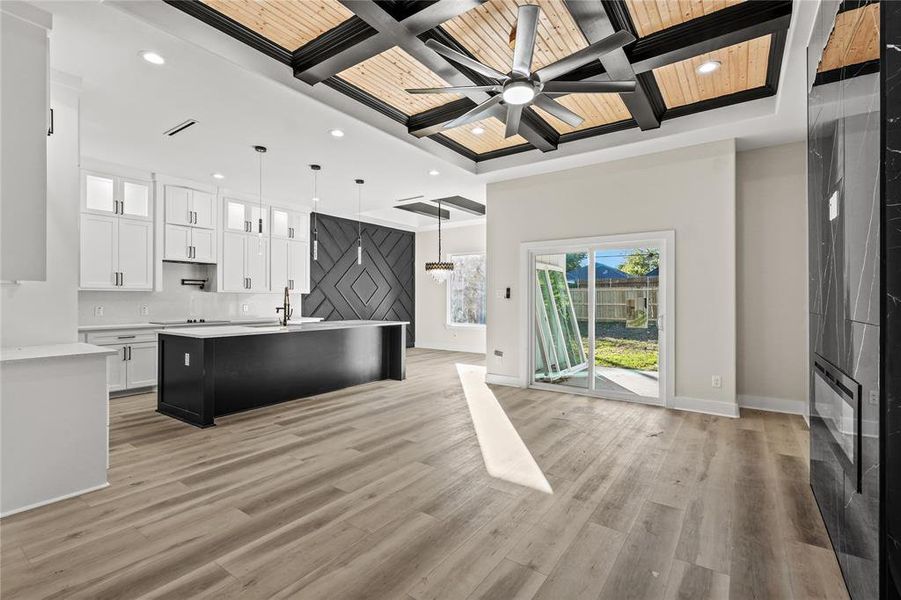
(98, 311)
(716, 381)
(244, 308)
(145, 310)
(499, 293)
(874, 396)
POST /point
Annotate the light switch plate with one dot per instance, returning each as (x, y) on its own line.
(145, 310)
(187, 359)
(716, 381)
(98, 311)
(244, 308)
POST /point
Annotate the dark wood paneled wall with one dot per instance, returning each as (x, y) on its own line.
(382, 288)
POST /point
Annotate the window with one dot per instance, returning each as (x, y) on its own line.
(466, 296)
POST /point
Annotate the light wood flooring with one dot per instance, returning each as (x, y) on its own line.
(381, 492)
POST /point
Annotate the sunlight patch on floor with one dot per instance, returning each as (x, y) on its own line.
(505, 454)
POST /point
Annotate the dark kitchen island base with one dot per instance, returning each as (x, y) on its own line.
(209, 372)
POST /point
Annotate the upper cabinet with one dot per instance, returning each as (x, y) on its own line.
(290, 225)
(186, 206)
(116, 233)
(24, 112)
(112, 195)
(190, 225)
(245, 216)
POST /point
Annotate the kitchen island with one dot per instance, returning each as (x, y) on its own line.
(207, 372)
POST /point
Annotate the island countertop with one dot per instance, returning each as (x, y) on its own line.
(222, 331)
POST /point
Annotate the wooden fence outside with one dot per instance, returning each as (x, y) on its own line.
(615, 304)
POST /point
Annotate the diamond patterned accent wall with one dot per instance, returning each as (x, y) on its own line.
(381, 289)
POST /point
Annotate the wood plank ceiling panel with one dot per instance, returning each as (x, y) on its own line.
(650, 16)
(491, 139)
(743, 67)
(388, 74)
(854, 39)
(288, 23)
(596, 109)
(485, 32)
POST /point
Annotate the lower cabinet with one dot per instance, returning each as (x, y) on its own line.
(133, 366)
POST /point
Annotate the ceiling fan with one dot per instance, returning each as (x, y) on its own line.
(523, 87)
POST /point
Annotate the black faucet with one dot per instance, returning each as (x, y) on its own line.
(285, 309)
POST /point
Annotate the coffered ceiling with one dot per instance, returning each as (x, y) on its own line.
(373, 51)
(853, 46)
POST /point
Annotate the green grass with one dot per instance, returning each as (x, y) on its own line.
(626, 354)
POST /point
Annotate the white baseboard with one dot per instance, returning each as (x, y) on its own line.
(780, 405)
(52, 500)
(451, 346)
(709, 407)
(503, 380)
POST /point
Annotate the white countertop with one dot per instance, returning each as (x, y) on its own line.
(20, 353)
(118, 326)
(239, 330)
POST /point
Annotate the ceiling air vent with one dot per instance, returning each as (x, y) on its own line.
(180, 127)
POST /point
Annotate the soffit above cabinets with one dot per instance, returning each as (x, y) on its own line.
(374, 51)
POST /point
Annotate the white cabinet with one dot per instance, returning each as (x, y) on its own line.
(245, 216)
(116, 368)
(116, 253)
(107, 194)
(133, 366)
(24, 99)
(186, 206)
(140, 370)
(290, 266)
(189, 244)
(244, 263)
(289, 224)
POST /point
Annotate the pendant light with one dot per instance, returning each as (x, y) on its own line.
(359, 183)
(261, 150)
(439, 271)
(315, 169)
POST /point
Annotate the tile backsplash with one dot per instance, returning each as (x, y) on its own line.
(177, 301)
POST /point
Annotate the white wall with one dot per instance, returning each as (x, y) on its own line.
(177, 301)
(432, 330)
(46, 312)
(690, 191)
(772, 278)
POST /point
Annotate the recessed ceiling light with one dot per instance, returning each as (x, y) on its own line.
(709, 67)
(434, 172)
(478, 130)
(218, 176)
(152, 57)
(336, 133)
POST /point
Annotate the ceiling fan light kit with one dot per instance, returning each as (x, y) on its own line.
(522, 86)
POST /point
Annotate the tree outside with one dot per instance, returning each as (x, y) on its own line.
(641, 262)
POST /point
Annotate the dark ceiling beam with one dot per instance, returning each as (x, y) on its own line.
(598, 19)
(738, 23)
(465, 204)
(373, 30)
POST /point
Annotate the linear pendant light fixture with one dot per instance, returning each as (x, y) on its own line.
(359, 183)
(439, 271)
(261, 150)
(315, 169)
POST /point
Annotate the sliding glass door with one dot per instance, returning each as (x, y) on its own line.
(596, 320)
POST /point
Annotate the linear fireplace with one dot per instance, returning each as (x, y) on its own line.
(836, 402)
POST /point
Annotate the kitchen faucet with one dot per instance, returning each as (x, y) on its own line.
(285, 309)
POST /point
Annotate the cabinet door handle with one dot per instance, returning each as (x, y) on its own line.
(125, 337)
(121, 278)
(129, 352)
(124, 353)
(249, 282)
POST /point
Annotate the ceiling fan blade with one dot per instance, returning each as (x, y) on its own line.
(588, 87)
(585, 56)
(455, 90)
(526, 31)
(476, 114)
(464, 60)
(514, 114)
(558, 110)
